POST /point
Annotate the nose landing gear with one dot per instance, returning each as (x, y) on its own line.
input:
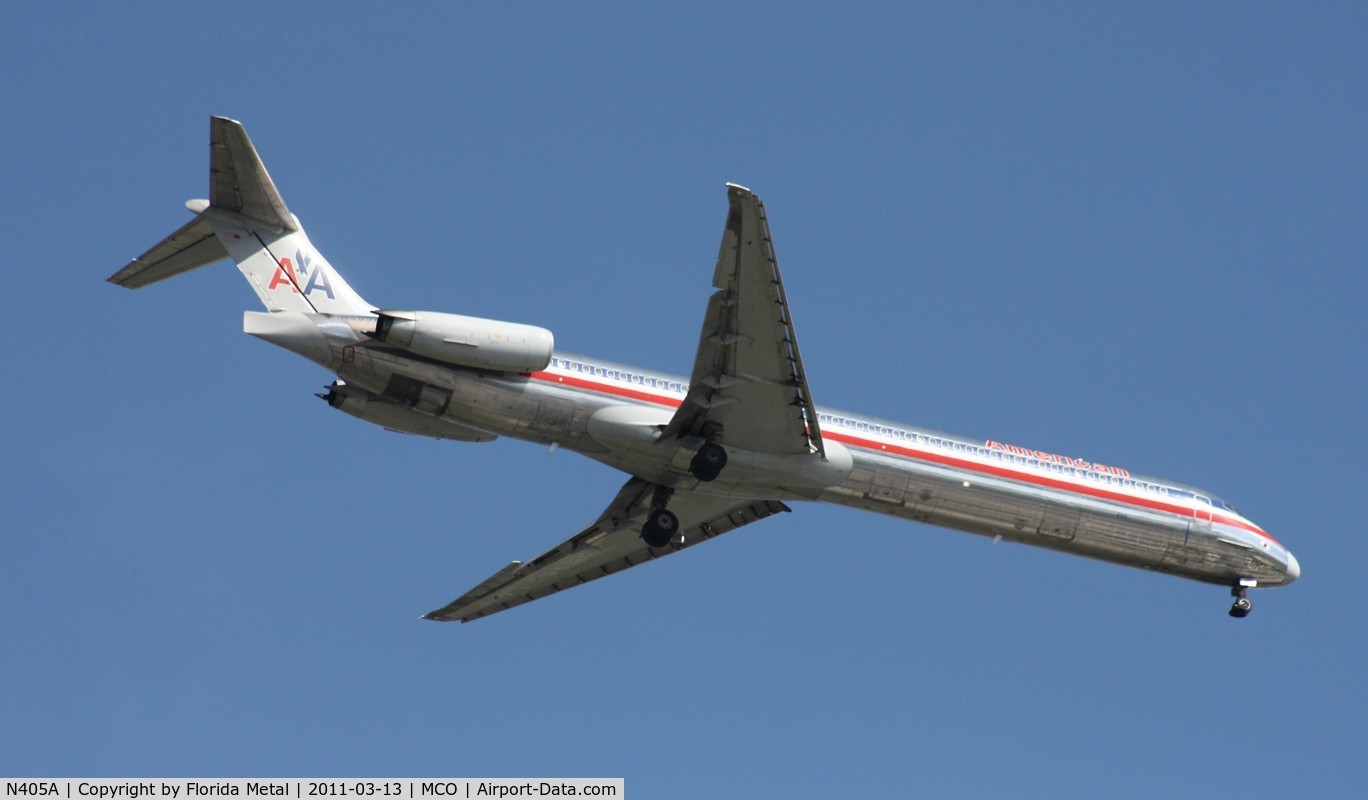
(1242, 606)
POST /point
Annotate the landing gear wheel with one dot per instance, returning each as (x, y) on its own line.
(709, 461)
(661, 526)
(1242, 606)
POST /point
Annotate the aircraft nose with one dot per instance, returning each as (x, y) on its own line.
(1293, 568)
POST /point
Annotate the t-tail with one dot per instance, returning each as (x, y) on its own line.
(245, 219)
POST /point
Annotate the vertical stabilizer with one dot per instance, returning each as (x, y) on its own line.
(263, 237)
(246, 219)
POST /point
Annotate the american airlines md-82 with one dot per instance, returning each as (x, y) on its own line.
(730, 445)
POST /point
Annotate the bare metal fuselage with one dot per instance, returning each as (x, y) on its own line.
(614, 414)
(723, 451)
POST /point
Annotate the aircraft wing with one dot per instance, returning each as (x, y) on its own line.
(748, 388)
(613, 543)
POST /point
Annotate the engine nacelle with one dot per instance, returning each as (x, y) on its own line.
(398, 417)
(467, 341)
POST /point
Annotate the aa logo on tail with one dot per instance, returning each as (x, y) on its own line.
(314, 276)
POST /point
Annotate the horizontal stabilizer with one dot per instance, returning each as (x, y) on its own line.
(245, 219)
(194, 245)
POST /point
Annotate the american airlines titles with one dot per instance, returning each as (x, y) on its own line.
(1005, 453)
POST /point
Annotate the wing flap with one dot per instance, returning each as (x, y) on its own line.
(612, 544)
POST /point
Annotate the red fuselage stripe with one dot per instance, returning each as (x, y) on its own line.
(921, 455)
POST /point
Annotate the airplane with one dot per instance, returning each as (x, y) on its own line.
(732, 444)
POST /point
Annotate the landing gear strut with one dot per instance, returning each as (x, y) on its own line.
(1242, 605)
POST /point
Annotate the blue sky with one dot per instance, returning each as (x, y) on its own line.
(1132, 234)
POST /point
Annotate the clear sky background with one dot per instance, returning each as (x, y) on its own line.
(1133, 235)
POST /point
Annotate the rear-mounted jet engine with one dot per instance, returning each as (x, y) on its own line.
(467, 341)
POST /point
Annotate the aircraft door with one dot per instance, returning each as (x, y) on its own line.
(887, 486)
(1059, 522)
(554, 416)
(424, 397)
(1202, 514)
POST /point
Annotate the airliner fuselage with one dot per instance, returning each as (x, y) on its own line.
(728, 446)
(612, 413)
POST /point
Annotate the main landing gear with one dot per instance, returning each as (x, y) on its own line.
(1242, 606)
(709, 461)
(661, 523)
(661, 526)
